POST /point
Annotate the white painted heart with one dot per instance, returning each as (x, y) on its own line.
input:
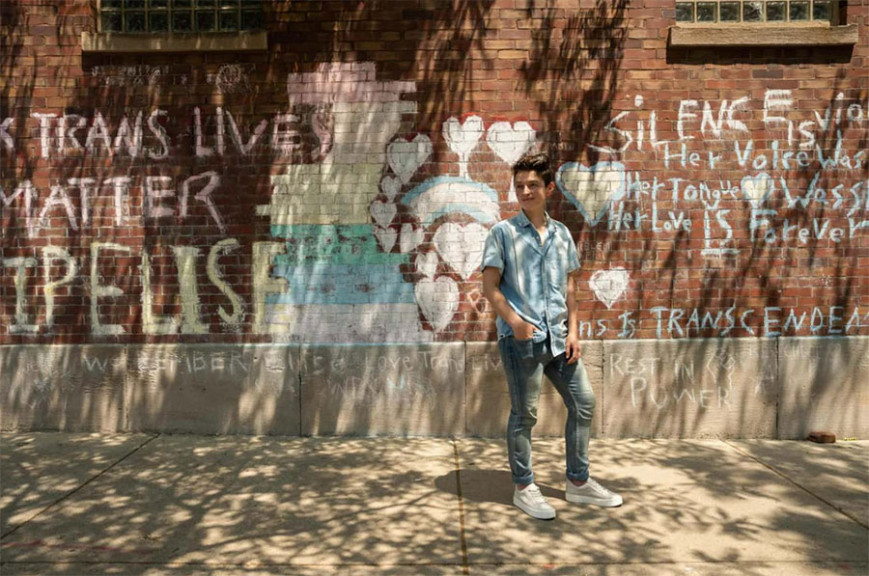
(386, 237)
(461, 246)
(411, 237)
(609, 285)
(406, 157)
(463, 138)
(438, 300)
(390, 185)
(756, 189)
(591, 189)
(383, 212)
(427, 264)
(510, 142)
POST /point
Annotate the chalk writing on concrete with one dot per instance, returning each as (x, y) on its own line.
(367, 390)
(648, 384)
(155, 361)
(485, 363)
(372, 377)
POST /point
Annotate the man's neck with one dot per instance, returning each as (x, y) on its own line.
(537, 218)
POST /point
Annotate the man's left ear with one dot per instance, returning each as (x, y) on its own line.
(550, 189)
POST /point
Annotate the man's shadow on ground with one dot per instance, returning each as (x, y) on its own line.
(486, 485)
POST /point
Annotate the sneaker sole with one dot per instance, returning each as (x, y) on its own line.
(534, 513)
(576, 499)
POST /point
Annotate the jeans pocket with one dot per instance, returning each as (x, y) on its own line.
(524, 348)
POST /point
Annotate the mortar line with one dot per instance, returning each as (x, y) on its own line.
(74, 490)
(465, 567)
(798, 485)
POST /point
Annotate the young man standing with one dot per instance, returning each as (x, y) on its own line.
(529, 263)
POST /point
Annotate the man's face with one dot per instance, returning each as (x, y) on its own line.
(531, 190)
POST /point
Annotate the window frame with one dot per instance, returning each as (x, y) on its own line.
(765, 33)
(100, 41)
(693, 36)
(825, 23)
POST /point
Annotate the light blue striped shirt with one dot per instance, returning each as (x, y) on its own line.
(533, 276)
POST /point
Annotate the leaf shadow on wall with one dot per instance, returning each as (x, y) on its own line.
(811, 285)
(16, 94)
(571, 74)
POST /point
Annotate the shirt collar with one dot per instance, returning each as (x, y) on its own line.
(523, 220)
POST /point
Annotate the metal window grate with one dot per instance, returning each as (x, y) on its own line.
(180, 16)
(754, 11)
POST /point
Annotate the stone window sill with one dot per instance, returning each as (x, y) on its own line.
(218, 42)
(766, 35)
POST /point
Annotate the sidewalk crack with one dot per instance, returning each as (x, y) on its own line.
(73, 491)
(798, 485)
(465, 567)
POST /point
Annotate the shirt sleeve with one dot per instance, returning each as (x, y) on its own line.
(573, 263)
(493, 251)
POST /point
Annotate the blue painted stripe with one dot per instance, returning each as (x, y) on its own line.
(340, 245)
(343, 284)
(412, 195)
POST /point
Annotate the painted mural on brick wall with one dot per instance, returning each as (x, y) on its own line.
(370, 238)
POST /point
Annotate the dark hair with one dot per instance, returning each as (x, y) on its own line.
(536, 161)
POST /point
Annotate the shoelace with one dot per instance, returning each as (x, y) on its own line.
(536, 496)
(597, 487)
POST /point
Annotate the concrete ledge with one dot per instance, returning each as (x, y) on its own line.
(70, 388)
(390, 389)
(742, 35)
(213, 389)
(691, 388)
(824, 385)
(725, 388)
(215, 42)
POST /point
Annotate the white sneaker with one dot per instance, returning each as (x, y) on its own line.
(532, 502)
(592, 493)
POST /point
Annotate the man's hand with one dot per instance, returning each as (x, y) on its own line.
(491, 289)
(522, 330)
(572, 349)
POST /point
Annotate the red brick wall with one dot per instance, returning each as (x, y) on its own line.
(361, 152)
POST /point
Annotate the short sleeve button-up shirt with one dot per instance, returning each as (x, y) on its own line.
(533, 275)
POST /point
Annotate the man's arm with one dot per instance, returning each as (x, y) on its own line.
(522, 330)
(573, 351)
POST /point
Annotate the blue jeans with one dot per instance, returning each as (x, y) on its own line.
(525, 363)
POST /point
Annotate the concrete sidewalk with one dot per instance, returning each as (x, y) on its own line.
(162, 504)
